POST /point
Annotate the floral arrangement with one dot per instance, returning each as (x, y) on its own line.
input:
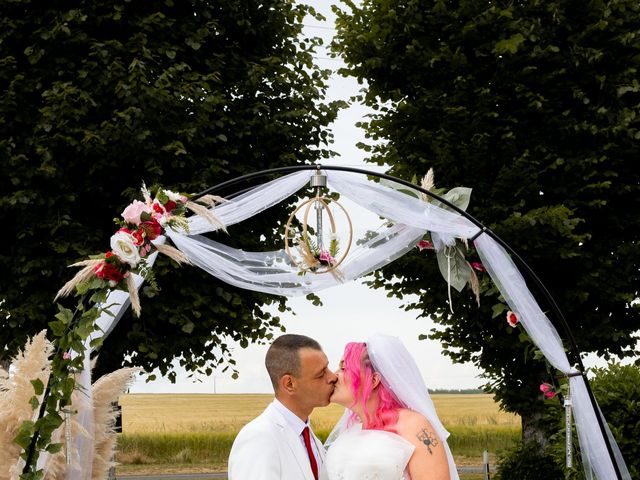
(315, 257)
(454, 267)
(141, 224)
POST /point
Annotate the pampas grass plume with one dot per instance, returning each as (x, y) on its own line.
(106, 391)
(133, 295)
(15, 392)
(428, 183)
(207, 214)
(83, 275)
(173, 253)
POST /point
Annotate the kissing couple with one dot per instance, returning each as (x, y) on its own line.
(390, 430)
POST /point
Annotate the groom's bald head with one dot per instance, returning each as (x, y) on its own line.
(283, 356)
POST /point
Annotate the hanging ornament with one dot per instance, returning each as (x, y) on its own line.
(317, 250)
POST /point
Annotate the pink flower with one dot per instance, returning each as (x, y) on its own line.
(546, 387)
(424, 245)
(512, 318)
(66, 356)
(132, 213)
(547, 390)
(478, 266)
(326, 258)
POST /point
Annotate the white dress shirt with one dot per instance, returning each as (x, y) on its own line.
(297, 425)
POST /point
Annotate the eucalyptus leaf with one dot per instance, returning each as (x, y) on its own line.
(459, 196)
(455, 269)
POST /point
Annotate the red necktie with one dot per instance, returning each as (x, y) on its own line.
(312, 457)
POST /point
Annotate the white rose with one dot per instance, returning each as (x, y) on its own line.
(123, 245)
(176, 197)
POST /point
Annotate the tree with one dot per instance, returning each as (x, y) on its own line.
(99, 97)
(535, 105)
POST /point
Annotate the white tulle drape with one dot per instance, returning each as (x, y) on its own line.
(408, 219)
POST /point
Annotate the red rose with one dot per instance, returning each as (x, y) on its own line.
(424, 245)
(152, 228)
(108, 271)
(138, 235)
(478, 266)
(170, 205)
(158, 208)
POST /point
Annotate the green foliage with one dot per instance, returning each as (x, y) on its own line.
(535, 105)
(99, 97)
(527, 463)
(617, 390)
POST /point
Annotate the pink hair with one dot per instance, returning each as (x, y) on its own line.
(359, 371)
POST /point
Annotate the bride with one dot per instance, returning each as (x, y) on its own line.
(390, 430)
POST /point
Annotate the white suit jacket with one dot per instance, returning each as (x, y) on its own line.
(268, 449)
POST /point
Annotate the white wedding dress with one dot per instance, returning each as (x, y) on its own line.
(367, 455)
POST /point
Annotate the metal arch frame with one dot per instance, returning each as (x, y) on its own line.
(575, 353)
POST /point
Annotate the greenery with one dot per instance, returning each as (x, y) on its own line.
(526, 462)
(535, 105)
(99, 97)
(213, 447)
(617, 390)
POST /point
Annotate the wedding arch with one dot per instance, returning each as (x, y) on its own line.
(407, 219)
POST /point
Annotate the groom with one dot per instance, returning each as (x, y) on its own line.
(279, 444)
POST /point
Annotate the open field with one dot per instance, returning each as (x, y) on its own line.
(194, 432)
(203, 412)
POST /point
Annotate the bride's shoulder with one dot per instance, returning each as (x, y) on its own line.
(410, 417)
(410, 423)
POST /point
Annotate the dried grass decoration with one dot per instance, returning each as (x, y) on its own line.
(311, 255)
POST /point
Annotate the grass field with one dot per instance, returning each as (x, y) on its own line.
(194, 432)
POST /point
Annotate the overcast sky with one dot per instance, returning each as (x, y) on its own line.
(351, 312)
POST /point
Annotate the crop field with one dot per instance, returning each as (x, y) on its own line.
(170, 433)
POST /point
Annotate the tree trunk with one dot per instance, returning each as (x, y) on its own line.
(533, 431)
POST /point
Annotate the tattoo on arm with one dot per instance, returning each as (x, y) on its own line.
(428, 438)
